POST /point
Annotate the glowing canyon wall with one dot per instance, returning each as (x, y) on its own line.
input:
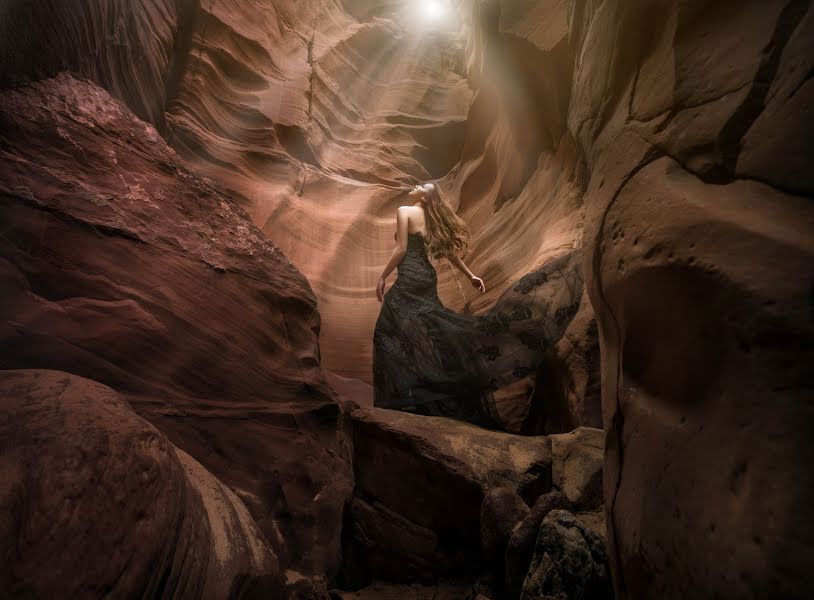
(317, 123)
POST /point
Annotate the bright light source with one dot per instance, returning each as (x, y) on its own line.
(433, 10)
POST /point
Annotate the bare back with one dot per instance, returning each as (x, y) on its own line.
(416, 221)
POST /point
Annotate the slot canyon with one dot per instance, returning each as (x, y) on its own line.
(198, 197)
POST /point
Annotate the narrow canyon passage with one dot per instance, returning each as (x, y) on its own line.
(199, 196)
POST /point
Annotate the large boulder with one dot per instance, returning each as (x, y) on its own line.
(576, 478)
(96, 501)
(420, 485)
(569, 563)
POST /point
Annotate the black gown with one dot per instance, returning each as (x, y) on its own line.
(430, 360)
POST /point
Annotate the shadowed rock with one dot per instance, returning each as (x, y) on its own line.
(569, 562)
(520, 545)
(501, 510)
(120, 265)
(576, 467)
(103, 499)
(699, 261)
(420, 484)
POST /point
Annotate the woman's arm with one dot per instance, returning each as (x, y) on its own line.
(461, 266)
(398, 252)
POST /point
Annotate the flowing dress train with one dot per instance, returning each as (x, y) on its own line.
(430, 360)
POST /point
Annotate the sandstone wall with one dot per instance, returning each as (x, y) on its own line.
(693, 120)
(120, 265)
(667, 143)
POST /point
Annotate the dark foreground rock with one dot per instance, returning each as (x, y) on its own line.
(570, 562)
(119, 264)
(97, 502)
(577, 459)
(436, 498)
(420, 483)
(406, 591)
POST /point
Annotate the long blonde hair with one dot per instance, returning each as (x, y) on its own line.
(447, 233)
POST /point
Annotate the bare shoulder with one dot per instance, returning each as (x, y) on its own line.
(408, 212)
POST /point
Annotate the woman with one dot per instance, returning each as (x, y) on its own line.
(429, 359)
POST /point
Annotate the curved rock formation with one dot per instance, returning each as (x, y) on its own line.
(103, 499)
(667, 143)
(132, 49)
(316, 116)
(318, 123)
(120, 265)
(699, 268)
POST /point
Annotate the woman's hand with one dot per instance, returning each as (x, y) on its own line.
(380, 289)
(477, 283)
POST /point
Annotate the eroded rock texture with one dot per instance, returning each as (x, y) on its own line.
(120, 265)
(666, 143)
(96, 501)
(700, 255)
(132, 49)
(316, 115)
(420, 483)
(436, 498)
(318, 122)
(569, 561)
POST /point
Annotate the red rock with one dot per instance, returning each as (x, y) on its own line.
(132, 49)
(420, 483)
(96, 501)
(668, 142)
(120, 265)
(700, 281)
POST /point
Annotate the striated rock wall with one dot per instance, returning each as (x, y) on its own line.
(318, 123)
(132, 49)
(520, 184)
(96, 501)
(317, 115)
(120, 265)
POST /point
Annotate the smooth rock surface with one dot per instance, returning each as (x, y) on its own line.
(420, 484)
(111, 506)
(699, 258)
